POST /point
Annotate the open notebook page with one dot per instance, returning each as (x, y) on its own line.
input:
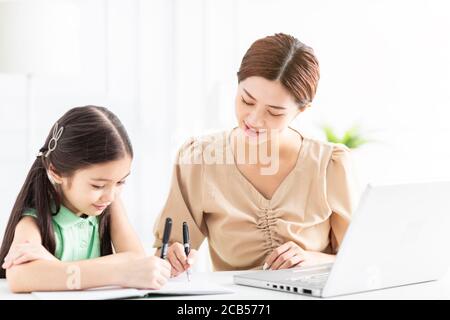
(177, 286)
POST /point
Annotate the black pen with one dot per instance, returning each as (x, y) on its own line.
(166, 237)
(187, 246)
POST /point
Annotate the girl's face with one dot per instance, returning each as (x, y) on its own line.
(264, 107)
(91, 190)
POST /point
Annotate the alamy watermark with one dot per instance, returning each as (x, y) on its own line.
(262, 150)
(73, 281)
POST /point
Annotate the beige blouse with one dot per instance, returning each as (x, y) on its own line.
(312, 206)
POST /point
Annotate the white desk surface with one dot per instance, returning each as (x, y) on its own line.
(430, 290)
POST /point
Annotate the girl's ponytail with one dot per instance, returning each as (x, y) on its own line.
(38, 193)
(46, 199)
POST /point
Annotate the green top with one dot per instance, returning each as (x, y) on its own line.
(76, 238)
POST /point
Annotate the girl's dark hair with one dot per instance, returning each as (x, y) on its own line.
(91, 135)
(284, 58)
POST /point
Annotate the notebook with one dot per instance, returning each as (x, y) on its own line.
(174, 287)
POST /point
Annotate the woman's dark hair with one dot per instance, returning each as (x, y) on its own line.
(283, 58)
(91, 135)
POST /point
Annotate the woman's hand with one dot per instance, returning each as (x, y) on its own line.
(26, 252)
(178, 260)
(144, 272)
(291, 255)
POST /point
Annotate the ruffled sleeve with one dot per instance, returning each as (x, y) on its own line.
(185, 200)
(341, 193)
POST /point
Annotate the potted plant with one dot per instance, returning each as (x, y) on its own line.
(352, 138)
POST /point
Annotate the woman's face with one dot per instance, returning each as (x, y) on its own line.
(264, 108)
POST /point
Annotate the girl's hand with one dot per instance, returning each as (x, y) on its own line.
(145, 272)
(291, 255)
(26, 252)
(178, 260)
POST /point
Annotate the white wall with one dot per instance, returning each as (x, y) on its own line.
(167, 68)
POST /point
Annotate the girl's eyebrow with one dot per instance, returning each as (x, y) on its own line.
(270, 106)
(101, 179)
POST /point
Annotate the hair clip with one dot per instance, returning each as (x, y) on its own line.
(40, 153)
(54, 140)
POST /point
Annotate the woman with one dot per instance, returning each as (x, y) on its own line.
(263, 194)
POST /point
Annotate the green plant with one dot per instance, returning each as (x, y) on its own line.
(352, 138)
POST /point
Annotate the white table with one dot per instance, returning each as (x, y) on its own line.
(431, 290)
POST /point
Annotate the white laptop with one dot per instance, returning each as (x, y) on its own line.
(398, 236)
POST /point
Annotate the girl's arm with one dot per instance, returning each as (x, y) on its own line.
(122, 269)
(27, 243)
(123, 236)
(126, 269)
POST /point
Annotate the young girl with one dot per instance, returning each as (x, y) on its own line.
(61, 234)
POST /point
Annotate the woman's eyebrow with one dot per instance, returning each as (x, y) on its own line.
(101, 179)
(275, 107)
(248, 93)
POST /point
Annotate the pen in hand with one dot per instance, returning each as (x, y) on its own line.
(187, 247)
(166, 237)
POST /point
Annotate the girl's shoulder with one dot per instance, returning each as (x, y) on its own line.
(30, 212)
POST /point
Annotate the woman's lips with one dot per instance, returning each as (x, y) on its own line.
(250, 131)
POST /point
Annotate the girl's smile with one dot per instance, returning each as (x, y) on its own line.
(100, 207)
